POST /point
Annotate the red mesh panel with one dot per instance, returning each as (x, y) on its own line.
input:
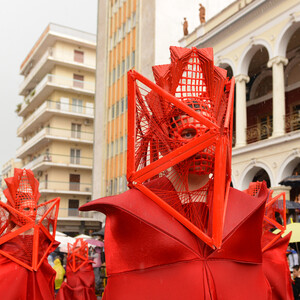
(78, 254)
(26, 226)
(181, 129)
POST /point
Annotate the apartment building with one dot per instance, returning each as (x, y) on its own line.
(57, 121)
(258, 41)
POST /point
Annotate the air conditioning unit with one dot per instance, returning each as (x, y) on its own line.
(87, 122)
(39, 173)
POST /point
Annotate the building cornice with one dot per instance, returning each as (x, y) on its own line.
(266, 143)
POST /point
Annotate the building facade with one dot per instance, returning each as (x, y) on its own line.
(57, 121)
(120, 43)
(131, 34)
(258, 41)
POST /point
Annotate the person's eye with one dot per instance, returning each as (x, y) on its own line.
(188, 133)
(26, 208)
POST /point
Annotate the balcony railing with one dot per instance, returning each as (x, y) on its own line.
(49, 105)
(52, 53)
(65, 160)
(58, 186)
(292, 121)
(260, 131)
(62, 82)
(74, 212)
(55, 133)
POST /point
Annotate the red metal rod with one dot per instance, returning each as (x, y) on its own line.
(131, 124)
(174, 157)
(174, 100)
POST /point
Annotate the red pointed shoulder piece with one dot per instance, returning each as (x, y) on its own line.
(178, 53)
(207, 52)
(221, 72)
(160, 71)
(274, 263)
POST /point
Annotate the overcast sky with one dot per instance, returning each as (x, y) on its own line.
(23, 21)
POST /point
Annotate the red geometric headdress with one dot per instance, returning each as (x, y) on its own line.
(78, 254)
(25, 224)
(182, 125)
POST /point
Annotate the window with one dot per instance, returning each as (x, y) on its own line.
(113, 111)
(107, 153)
(75, 156)
(78, 81)
(76, 105)
(46, 181)
(118, 71)
(74, 182)
(117, 147)
(75, 130)
(120, 184)
(111, 187)
(113, 75)
(78, 56)
(123, 66)
(124, 183)
(112, 149)
(126, 142)
(126, 102)
(73, 208)
(121, 144)
(117, 109)
(122, 105)
(133, 20)
(124, 30)
(116, 186)
(133, 59)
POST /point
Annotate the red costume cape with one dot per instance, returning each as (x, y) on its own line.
(19, 283)
(150, 255)
(80, 285)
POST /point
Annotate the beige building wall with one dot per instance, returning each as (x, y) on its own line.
(58, 116)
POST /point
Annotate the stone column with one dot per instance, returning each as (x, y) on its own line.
(277, 63)
(241, 110)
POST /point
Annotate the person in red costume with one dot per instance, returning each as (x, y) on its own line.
(273, 245)
(80, 283)
(26, 241)
(181, 232)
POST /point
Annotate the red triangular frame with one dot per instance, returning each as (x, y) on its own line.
(36, 263)
(214, 135)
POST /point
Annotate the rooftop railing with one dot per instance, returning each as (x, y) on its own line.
(66, 160)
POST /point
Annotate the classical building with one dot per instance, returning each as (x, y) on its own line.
(57, 121)
(258, 41)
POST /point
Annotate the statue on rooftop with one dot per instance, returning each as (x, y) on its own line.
(185, 27)
(202, 13)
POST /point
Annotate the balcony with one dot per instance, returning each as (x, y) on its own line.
(258, 132)
(49, 108)
(44, 161)
(54, 82)
(292, 121)
(50, 133)
(46, 63)
(58, 187)
(74, 212)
